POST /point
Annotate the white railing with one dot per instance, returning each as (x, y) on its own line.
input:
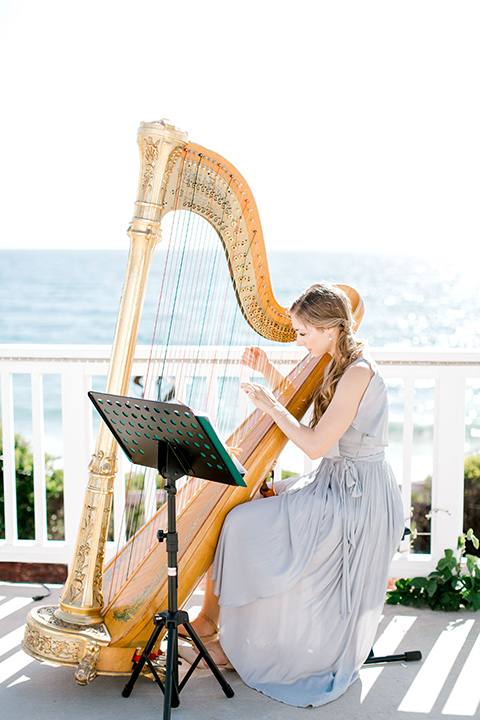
(444, 376)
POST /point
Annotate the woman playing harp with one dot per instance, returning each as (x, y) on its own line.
(299, 579)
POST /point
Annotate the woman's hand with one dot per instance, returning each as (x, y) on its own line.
(260, 396)
(255, 358)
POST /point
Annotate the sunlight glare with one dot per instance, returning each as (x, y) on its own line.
(386, 644)
(431, 677)
(465, 696)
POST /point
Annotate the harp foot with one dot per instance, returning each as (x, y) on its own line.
(86, 670)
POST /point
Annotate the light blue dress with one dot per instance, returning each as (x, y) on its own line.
(301, 577)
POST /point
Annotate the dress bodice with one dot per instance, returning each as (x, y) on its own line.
(367, 436)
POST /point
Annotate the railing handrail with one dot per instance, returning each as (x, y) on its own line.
(398, 356)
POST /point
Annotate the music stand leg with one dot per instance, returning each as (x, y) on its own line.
(203, 653)
(170, 620)
(144, 658)
(171, 674)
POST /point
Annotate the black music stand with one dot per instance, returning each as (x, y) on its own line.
(176, 442)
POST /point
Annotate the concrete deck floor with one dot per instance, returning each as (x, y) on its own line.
(444, 684)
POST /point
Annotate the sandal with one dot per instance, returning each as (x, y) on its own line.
(204, 638)
(190, 654)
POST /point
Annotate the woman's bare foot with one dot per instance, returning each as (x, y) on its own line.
(190, 654)
(205, 628)
(216, 652)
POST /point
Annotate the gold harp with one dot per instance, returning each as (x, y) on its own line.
(106, 613)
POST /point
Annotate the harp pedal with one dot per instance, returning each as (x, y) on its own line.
(154, 663)
(267, 490)
(159, 665)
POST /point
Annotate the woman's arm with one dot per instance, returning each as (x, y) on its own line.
(317, 441)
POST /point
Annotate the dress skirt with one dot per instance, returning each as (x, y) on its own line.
(301, 579)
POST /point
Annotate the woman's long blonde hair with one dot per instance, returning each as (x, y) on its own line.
(326, 306)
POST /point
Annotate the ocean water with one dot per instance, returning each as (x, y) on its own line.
(72, 297)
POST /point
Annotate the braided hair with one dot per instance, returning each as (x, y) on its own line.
(326, 306)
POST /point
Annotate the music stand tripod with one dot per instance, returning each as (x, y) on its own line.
(176, 442)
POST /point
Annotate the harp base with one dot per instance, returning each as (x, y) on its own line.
(49, 639)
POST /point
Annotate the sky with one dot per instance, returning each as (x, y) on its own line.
(356, 123)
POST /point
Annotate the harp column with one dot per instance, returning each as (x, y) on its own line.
(82, 600)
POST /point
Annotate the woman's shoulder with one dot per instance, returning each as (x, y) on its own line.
(362, 367)
(356, 377)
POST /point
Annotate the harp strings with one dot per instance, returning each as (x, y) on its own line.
(199, 323)
(187, 383)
